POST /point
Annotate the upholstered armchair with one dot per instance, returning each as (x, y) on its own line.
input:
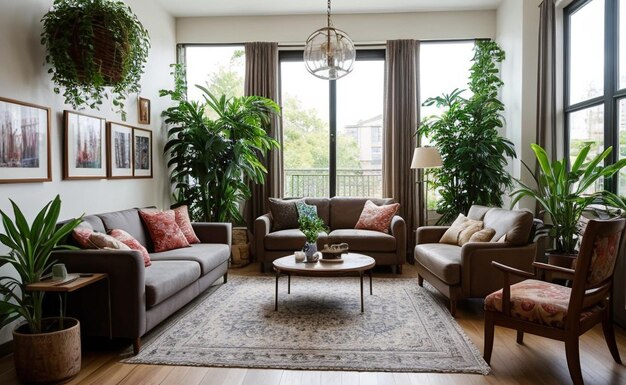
(559, 312)
(466, 271)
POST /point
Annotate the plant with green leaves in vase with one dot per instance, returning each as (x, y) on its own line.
(311, 227)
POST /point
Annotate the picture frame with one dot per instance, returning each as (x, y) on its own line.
(143, 110)
(24, 142)
(119, 151)
(84, 155)
(142, 153)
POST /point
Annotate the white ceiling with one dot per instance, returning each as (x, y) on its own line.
(186, 8)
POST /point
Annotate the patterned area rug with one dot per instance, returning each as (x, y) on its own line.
(318, 326)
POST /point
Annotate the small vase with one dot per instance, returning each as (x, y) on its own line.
(309, 250)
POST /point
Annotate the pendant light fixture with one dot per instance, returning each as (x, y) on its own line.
(329, 52)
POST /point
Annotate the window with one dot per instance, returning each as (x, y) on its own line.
(444, 66)
(332, 130)
(219, 68)
(595, 80)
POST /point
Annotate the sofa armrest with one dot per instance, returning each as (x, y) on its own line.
(262, 227)
(214, 232)
(429, 234)
(398, 230)
(126, 272)
(479, 277)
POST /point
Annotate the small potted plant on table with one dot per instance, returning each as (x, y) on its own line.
(311, 227)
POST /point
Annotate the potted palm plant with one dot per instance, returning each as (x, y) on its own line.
(565, 194)
(213, 159)
(311, 227)
(45, 349)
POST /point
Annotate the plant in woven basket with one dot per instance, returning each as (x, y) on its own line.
(93, 44)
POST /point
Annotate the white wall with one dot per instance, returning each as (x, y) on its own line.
(362, 28)
(23, 77)
(517, 33)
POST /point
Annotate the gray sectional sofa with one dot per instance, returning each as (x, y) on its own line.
(142, 297)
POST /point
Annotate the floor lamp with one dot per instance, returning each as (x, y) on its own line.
(424, 157)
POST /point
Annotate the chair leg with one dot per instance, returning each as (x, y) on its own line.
(262, 267)
(573, 359)
(520, 337)
(399, 271)
(609, 336)
(420, 280)
(453, 307)
(489, 330)
(225, 277)
(136, 345)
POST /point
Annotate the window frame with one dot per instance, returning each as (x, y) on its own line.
(611, 94)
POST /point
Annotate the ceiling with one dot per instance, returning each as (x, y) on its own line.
(186, 8)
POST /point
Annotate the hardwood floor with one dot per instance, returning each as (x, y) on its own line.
(539, 361)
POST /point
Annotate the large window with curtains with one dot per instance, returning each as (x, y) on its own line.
(332, 130)
(595, 80)
(219, 68)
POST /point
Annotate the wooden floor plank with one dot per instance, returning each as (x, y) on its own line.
(330, 378)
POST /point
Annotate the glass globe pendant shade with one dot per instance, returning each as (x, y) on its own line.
(329, 53)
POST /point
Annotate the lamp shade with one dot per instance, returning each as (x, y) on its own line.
(426, 157)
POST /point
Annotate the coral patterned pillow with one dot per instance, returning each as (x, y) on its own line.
(81, 235)
(165, 233)
(131, 242)
(182, 220)
(377, 218)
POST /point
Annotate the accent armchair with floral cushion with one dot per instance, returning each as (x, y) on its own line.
(456, 259)
(559, 312)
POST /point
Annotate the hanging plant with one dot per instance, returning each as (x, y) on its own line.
(93, 44)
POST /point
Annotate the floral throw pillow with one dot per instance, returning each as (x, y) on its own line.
(181, 215)
(131, 242)
(377, 218)
(81, 235)
(164, 232)
(305, 210)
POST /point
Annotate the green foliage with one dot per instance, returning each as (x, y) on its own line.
(473, 152)
(68, 34)
(311, 227)
(30, 247)
(562, 193)
(213, 159)
(226, 80)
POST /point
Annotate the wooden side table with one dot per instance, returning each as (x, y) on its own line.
(63, 288)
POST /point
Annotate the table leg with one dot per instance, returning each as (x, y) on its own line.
(361, 278)
(288, 283)
(109, 304)
(276, 295)
(370, 273)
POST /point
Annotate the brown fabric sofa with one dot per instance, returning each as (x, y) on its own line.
(142, 297)
(466, 272)
(340, 214)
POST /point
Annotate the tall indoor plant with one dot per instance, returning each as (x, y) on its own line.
(473, 152)
(212, 160)
(30, 249)
(563, 195)
(93, 44)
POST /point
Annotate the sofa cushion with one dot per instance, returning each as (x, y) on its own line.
(166, 278)
(471, 227)
(181, 215)
(131, 242)
(129, 221)
(346, 211)
(377, 218)
(461, 230)
(164, 232)
(290, 240)
(477, 212)
(516, 224)
(306, 210)
(104, 241)
(323, 208)
(363, 240)
(284, 213)
(441, 259)
(484, 235)
(208, 255)
(81, 236)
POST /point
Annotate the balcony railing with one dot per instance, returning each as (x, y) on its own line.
(314, 182)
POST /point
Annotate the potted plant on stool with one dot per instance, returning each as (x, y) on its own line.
(45, 349)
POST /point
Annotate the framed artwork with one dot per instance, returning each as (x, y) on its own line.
(144, 110)
(120, 151)
(24, 142)
(84, 154)
(142, 153)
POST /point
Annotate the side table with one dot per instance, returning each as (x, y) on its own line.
(63, 288)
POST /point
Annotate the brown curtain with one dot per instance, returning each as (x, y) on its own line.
(400, 122)
(546, 81)
(262, 80)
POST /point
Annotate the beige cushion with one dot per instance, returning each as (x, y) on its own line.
(471, 228)
(104, 241)
(516, 224)
(460, 224)
(441, 259)
(363, 240)
(484, 235)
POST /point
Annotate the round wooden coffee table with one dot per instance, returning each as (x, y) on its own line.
(352, 262)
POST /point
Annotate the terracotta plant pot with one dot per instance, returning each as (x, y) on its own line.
(47, 357)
